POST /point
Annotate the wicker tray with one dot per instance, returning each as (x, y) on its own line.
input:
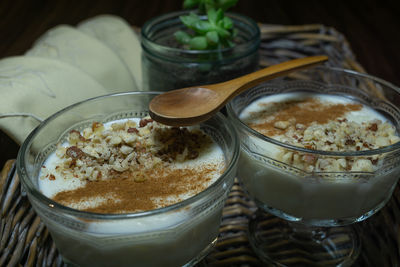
(25, 241)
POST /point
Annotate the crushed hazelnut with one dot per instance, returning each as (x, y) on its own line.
(373, 127)
(74, 152)
(125, 148)
(281, 125)
(322, 126)
(132, 130)
(144, 122)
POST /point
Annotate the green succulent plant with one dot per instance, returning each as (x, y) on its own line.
(209, 28)
(204, 5)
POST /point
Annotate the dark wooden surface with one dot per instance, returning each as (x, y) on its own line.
(371, 26)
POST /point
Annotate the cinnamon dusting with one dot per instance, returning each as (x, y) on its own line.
(301, 112)
(123, 194)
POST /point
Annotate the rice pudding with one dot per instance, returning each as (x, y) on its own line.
(314, 186)
(129, 166)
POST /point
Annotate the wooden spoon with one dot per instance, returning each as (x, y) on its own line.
(192, 105)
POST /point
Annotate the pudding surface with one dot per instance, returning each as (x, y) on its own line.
(130, 166)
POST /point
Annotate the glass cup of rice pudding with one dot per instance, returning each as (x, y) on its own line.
(320, 150)
(115, 188)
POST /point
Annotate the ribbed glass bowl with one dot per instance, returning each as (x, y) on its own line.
(177, 235)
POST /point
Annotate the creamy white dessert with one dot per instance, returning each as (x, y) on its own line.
(131, 166)
(312, 186)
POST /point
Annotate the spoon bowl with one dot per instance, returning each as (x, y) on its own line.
(192, 105)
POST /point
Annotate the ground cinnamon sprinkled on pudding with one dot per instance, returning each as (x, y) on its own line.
(130, 167)
(276, 117)
(123, 194)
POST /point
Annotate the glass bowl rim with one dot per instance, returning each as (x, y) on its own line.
(253, 42)
(28, 185)
(396, 146)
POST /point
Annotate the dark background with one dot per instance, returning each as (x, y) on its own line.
(372, 27)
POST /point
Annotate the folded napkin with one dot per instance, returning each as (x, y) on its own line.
(67, 65)
(74, 47)
(116, 33)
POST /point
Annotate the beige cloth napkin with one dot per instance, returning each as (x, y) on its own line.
(67, 65)
(116, 33)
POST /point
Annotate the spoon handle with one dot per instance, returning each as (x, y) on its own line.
(234, 87)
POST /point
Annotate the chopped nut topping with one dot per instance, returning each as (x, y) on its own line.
(126, 148)
(132, 130)
(373, 127)
(74, 152)
(348, 136)
(144, 122)
(314, 125)
(281, 125)
(350, 142)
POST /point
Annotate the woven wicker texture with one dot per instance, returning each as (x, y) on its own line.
(25, 241)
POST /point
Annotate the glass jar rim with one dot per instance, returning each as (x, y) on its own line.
(244, 127)
(28, 185)
(251, 44)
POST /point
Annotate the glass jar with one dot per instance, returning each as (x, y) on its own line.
(166, 66)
